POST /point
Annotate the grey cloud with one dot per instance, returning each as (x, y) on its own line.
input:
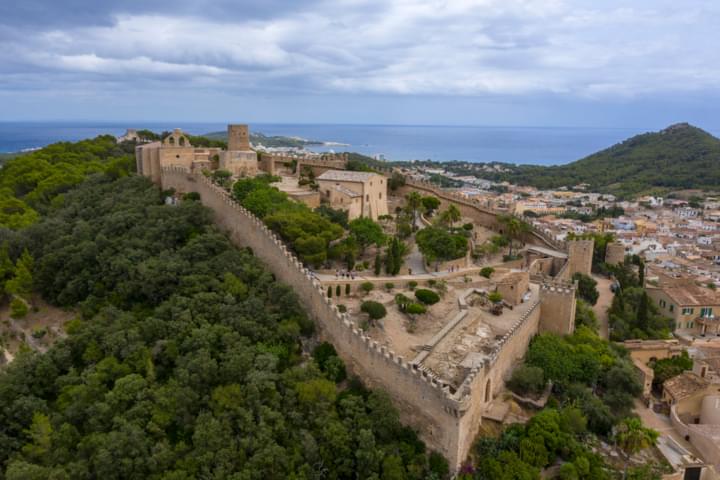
(454, 47)
(74, 13)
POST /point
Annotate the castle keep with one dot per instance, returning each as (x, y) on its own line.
(446, 410)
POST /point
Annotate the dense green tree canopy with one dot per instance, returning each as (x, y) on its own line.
(185, 360)
(437, 244)
(29, 183)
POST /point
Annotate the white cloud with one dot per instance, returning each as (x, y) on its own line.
(450, 47)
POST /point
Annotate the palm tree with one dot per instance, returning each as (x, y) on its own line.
(413, 201)
(632, 436)
(514, 227)
(451, 215)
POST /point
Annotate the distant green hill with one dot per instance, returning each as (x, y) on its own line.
(268, 141)
(679, 157)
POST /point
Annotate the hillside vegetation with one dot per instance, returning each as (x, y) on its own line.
(274, 141)
(186, 360)
(679, 157)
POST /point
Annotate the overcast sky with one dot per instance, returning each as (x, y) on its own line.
(642, 63)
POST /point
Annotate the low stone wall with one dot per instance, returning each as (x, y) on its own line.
(447, 265)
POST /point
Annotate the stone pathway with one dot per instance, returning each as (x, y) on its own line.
(662, 424)
(414, 260)
(601, 307)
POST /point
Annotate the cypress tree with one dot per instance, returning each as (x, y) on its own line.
(337, 290)
(642, 313)
(329, 292)
(389, 261)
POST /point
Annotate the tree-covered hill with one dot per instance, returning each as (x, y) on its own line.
(679, 157)
(186, 359)
(274, 141)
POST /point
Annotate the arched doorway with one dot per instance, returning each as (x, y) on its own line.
(488, 393)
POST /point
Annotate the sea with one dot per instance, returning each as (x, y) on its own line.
(515, 145)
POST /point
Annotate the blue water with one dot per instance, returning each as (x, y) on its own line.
(533, 145)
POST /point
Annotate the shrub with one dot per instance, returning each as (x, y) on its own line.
(432, 282)
(366, 287)
(527, 379)
(389, 286)
(39, 333)
(412, 284)
(347, 289)
(374, 310)
(322, 353)
(415, 309)
(495, 297)
(487, 272)
(337, 290)
(402, 301)
(329, 363)
(428, 297)
(329, 293)
(342, 308)
(468, 226)
(191, 197)
(18, 308)
(587, 288)
(335, 369)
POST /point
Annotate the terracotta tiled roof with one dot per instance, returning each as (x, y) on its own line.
(692, 295)
(684, 385)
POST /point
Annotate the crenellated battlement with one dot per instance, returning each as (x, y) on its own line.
(446, 418)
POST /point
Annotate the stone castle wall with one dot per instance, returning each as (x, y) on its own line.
(446, 420)
(483, 215)
(558, 308)
(615, 253)
(423, 401)
(580, 256)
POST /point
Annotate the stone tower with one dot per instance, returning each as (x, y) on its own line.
(615, 253)
(580, 256)
(238, 138)
(557, 307)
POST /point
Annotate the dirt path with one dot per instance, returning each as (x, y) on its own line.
(661, 424)
(604, 301)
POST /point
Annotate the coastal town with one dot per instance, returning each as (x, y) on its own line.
(360, 240)
(457, 315)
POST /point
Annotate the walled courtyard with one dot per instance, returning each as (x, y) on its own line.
(455, 335)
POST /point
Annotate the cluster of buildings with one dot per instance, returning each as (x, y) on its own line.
(358, 193)
(692, 398)
(679, 240)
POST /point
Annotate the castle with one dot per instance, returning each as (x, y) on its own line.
(359, 193)
(447, 414)
(175, 150)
